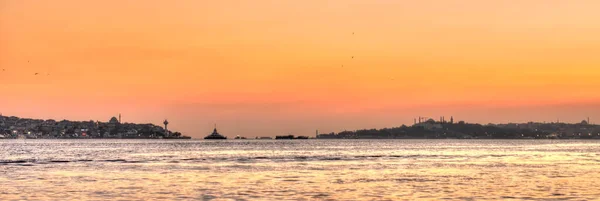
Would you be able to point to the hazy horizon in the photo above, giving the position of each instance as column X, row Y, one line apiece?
column 264, row 68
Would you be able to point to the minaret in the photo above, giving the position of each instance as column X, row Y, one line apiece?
column 451, row 119
column 120, row 118
column 166, row 130
column 317, row 134
column 589, row 121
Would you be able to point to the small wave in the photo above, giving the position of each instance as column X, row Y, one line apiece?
column 399, row 156
column 413, row 180
column 241, row 166
column 423, row 156
column 320, row 195
column 403, row 180
column 16, row 161
column 115, row 160
column 559, row 176
column 59, row 161
column 84, row 160
column 134, row 161
column 130, row 188
column 370, row 156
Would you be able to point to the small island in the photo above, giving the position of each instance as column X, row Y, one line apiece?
column 14, row 128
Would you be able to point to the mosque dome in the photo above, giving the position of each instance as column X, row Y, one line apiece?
column 113, row 120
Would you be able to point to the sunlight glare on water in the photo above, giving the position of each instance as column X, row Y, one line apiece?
column 299, row 169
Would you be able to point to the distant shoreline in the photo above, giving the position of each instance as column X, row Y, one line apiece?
column 324, row 139
column 23, row 128
column 443, row 129
column 19, row 128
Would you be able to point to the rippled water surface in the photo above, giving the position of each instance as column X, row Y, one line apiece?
column 299, row 170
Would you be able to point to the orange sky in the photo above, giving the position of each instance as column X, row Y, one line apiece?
column 258, row 67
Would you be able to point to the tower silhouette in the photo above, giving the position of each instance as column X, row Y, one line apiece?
column 166, row 129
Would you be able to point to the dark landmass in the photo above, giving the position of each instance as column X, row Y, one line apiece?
column 432, row 129
column 290, row 137
column 15, row 127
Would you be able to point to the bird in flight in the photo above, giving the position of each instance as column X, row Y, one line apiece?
column 353, row 57
column 36, row 73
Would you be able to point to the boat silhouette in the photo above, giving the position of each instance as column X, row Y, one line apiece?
column 215, row 136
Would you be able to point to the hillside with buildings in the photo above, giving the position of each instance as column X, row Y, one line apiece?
column 15, row 127
column 442, row 129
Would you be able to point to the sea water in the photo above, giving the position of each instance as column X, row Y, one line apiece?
column 98, row 169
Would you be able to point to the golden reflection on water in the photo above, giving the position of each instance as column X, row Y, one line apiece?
column 395, row 171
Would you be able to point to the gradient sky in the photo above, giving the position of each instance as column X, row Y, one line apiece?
column 263, row 68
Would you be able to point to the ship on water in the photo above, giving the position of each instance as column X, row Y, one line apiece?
column 284, row 137
column 215, row 135
column 290, row 137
